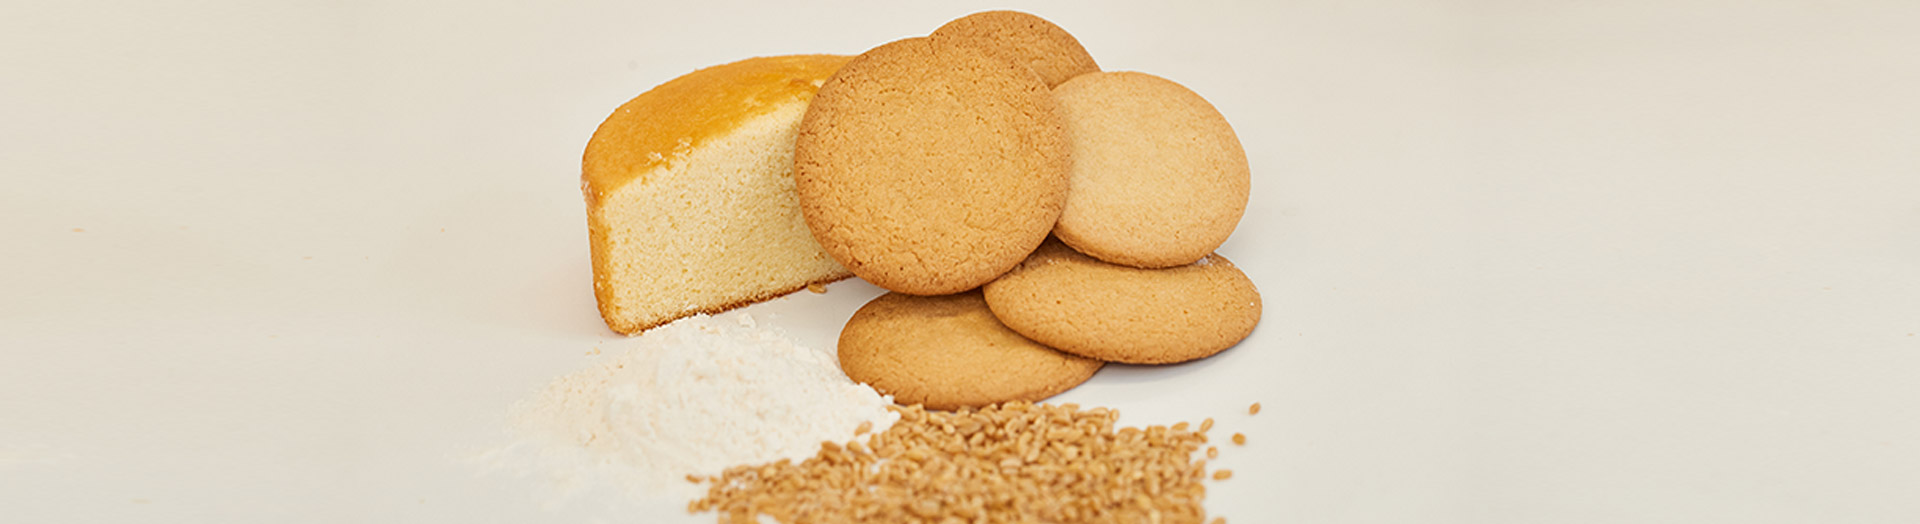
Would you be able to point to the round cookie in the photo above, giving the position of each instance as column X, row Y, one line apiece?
column 1083, row 306
column 1159, row 178
column 949, row 352
column 930, row 168
column 1024, row 39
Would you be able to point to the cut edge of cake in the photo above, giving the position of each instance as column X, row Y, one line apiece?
column 690, row 200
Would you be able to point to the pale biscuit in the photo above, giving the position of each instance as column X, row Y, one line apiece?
column 949, row 352
column 1070, row 301
column 1159, row 178
column 1024, row 39
column 931, row 168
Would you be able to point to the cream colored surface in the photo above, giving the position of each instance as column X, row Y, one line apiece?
column 1521, row 262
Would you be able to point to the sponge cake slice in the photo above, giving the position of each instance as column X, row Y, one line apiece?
column 690, row 198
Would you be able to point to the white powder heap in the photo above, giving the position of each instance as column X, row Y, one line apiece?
column 695, row 397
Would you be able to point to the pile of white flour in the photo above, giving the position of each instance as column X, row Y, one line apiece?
column 693, row 397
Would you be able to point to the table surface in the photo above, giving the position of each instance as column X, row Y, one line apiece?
column 1620, row 262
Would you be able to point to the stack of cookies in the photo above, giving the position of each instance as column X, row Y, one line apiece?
column 1033, row 216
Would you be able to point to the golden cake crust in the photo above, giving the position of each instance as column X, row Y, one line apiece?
column 656, row 128
column 683, row 113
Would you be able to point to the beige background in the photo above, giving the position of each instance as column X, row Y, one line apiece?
column 1523, row 262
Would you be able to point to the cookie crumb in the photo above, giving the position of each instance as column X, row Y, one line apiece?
column 817, row 288
column 1253, row 409
column 1240, row 438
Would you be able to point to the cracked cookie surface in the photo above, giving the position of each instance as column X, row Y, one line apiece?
column 930, row 168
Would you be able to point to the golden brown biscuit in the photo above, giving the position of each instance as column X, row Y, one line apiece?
column 930, row 168
column 949, row 352
column 1159, row 178
column 1023, row 39
column 1083, row 306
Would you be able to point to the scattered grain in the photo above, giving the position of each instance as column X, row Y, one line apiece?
column 1223, row 474
column 1016, row 462
column 1213, row 452
column 1206, row 424
column 1240, row 439
column 1253, row 409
